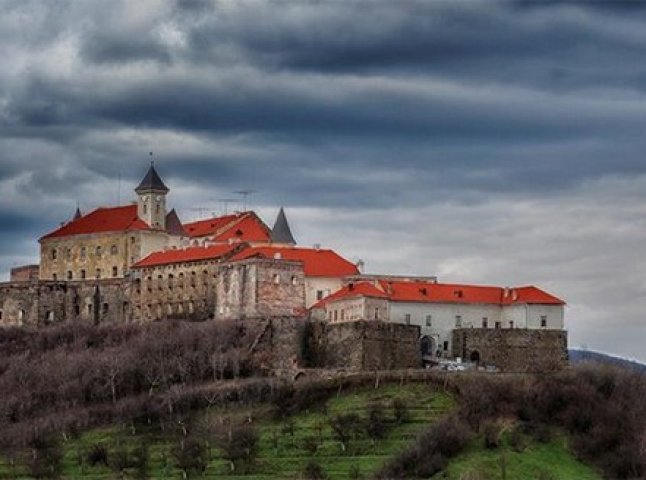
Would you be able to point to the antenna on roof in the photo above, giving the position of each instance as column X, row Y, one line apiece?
column 119, row 188
column 152, row 162
column 245, row 194
column 226, row 202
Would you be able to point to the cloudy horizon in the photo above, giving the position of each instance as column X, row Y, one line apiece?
column 483, row 142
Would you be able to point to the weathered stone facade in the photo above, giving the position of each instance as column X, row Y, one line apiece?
column 98, row 255
column 43, row 303
column 183, row 291
column 24, row 273
column 512, row 350
column 364, row 345
column 260, row 287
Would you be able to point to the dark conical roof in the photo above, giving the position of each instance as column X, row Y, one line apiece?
column 77, row 214
column 151, row 182
column 281, row 233
column 173, row 224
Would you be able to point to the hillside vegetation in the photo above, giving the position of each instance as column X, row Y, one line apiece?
column 175, row 400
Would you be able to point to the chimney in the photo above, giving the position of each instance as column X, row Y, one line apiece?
column 360, row 265
column 514, row 295
column 317, row 246
column 350, row 286
column 423, row 291
column 278, row 256
column 505, row 292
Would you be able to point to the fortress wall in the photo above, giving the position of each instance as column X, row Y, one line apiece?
column 43, row 303
column 513, row 350
column 364, row 345
column 258, row 288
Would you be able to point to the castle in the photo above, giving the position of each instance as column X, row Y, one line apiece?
column 139, row 263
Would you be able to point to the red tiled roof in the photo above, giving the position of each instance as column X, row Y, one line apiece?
column 316, row 262
column 212, row 226
column 190, row 254
column 450, row 293
column 361, row 289
column 248, row 228
column 107, row 219
column 427, row 292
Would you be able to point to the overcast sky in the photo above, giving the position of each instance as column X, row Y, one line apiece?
column 497, row 143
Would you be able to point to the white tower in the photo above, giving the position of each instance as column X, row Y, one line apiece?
column 151, row 199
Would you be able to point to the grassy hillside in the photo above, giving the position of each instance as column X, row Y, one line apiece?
column 286, row 445
column 550, row 460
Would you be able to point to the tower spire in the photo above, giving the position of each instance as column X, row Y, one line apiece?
column 281, row 233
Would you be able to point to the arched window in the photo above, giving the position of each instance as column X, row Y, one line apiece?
column 114, row 250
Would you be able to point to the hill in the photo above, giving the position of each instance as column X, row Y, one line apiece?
column 578, row 356
column 174, row 400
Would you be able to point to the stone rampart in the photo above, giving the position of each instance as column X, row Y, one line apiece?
column 363, row 345
column 512, row 350
column 46, row 302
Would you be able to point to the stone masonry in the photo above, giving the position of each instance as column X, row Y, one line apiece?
column 512, row 350
column 364, row 345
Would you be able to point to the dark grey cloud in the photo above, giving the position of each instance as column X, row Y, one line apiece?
column 496, row 142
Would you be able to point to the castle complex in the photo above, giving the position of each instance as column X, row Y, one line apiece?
column 139, row 263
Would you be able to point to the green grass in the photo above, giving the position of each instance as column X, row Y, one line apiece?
column 285, row 457
column 548, row 461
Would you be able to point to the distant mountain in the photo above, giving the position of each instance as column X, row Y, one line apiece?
column 578, row 356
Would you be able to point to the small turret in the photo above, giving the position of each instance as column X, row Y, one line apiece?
column 77, row 214
column 281, row 233
column 151, row 199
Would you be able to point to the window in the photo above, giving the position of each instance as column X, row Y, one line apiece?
column 145, row 209
column 157, row 209
column 407, row 318
column 276, row 278
column 70, row 275
column 429, row 320
column 0, row 314
column 21, row 314
column 89, row 309
column 497, row 324
column 49, row 316
column 543, row 321
column 336, row 315
column 98, row 273
column 115, row 271
column 319, row 294
column 114, row 250
column 132, row 240
column 54, row 254
column 83, row 253
column 54, row 277
column 83, row 274
column 294, row 281
column 446, row 346
column 98, row 251
column 77, row 310
column 485, row 322
column 106, row 307
column 68, row 253
column 458, row 321
column 511, row 324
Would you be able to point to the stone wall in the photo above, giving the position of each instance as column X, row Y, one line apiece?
column 44, row 303
column 258, row 288
column 182, row 291
column 512, row 350
column 362, row 345
column 98, row 255
column 25, row 273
